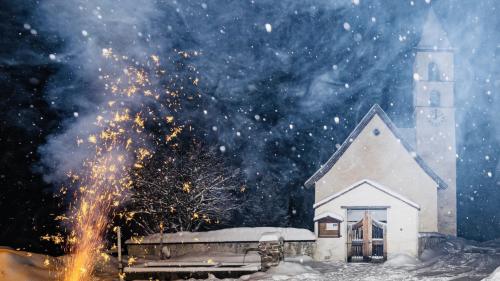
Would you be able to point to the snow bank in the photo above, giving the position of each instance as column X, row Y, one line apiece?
column 26, row 266
column 270, row 237
column 431, row 254
column 286, row 271
column 495, row 276
column 19, row 265
column 401, row 260
column 239, row 234
column 290, row 269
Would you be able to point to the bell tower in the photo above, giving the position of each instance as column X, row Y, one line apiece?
column 433, row 97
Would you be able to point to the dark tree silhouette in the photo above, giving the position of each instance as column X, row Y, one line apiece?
column 184, row 191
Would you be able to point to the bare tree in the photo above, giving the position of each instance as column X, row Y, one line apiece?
column 184, row 190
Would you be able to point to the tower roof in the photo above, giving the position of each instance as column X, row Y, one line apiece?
column 433, row 37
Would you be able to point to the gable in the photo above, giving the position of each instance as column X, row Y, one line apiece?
column 375, row 115
column 384, row 158
column 371, row 184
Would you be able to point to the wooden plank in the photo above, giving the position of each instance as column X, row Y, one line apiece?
column 191, row 264
column 378, row 223
column 349, row 241
column 369, row 234
column 385, row 241
column 247, row 268
column 366, row 241
column 178, row 264
column 358, row 224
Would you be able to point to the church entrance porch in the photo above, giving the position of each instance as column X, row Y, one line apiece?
column 366, row 235
column 372, row 223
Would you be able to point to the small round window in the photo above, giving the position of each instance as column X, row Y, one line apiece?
column 376, row 131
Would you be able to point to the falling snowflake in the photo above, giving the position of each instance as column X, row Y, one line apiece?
column 269, row 27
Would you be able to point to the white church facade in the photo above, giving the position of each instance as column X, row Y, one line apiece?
column 386, row 187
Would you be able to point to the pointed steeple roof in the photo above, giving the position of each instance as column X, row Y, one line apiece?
column 433, row 37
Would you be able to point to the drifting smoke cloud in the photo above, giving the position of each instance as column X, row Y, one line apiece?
column 308, row 57
column 85, row 30
column 284, row 81
column 472, row 29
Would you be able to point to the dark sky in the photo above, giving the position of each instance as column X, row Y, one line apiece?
column 269, row 95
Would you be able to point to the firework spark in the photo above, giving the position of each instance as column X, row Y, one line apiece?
column 120, row 145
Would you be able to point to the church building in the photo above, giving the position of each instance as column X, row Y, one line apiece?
column 386, row 188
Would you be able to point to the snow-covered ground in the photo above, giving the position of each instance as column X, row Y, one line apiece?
column 19, row 265
column 25, row 266
column 457, row 260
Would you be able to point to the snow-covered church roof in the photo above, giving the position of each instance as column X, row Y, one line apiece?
column 433, row 37
column 375, row 110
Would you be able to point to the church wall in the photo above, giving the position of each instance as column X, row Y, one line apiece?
column 402, row 223
column 436, row 145
column 383, row 159
column 435, row 129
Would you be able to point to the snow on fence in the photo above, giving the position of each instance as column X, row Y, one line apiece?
column 232, row 240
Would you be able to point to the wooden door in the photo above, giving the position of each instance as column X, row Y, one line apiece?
column 366, row 240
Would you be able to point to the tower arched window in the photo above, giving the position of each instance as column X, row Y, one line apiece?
column 435, row 99
column 433, row 72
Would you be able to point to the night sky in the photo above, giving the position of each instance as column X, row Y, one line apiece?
column 275, row 76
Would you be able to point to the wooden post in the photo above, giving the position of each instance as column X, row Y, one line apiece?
column 119, row 238
column 349, row 241
column 161, row 240
column 385, row 241
column 367, row 236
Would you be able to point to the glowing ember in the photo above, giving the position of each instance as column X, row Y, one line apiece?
column 119, row 145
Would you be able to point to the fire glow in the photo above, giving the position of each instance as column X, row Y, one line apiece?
column 118, row 145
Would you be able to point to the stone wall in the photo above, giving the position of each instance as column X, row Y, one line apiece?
column 152, row 251
column 429, row 241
